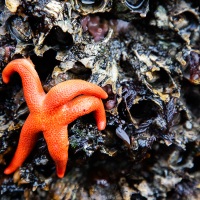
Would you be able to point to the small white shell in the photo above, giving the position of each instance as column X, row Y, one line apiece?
column 12, row 5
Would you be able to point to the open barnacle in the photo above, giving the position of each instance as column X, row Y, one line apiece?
column 61, row 29
column 156, row 75
column 91, row 6
column 58, row 39
column 185, row 20
column 161, row 83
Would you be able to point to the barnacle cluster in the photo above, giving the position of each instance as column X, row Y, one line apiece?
column 146, row 55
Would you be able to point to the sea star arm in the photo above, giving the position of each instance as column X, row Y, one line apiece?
column 57, row 136
column 32, row 87
column 58, row 143
column 83, row 105
column 27, row 140
column 67, row 90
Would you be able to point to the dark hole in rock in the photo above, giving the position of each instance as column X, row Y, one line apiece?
column 8, row 188
column 58, row 39
column 160, row 79
column 144, row 109
column 16, row 56
column 192, row 97
column 80, row 71
column 183, row 117
column 2, row 3
column 46, row 169
column 122, row 110
column 45, row 65
column 37, row 25
column 127, row 68
column 99, row 170
column 196, row 3
column 137, row 197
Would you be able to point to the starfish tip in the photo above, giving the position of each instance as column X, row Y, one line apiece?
column 60, row 175
column 101, row 125
column 7, row 171
column 5, row 78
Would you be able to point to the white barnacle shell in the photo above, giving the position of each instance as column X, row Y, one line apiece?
column 12, row 5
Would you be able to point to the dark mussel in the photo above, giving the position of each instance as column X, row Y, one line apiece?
column 92, row 6
column 19, row 29
column 91, row 2
column 136, row 4
column 130, row 9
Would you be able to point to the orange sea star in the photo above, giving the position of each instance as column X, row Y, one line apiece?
column 52, row 112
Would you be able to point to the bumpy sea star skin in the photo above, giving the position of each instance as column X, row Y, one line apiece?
column 52, row 112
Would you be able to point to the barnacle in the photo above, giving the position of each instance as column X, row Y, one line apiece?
column 145, row 55
column 91, row 6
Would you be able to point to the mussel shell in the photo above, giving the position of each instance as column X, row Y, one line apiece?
column 92, row 6
column 19, row 29
column 91, row 2
column 136, row 4
column 130, row 9
column 185, row 20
